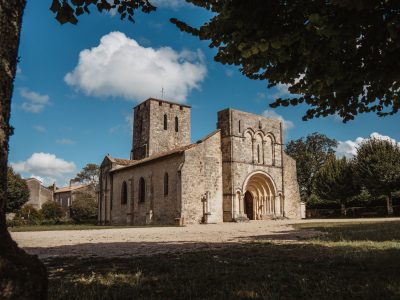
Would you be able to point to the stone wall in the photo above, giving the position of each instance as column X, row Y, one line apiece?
column 38, row 194
column 292, row 192
column 157, row 207
column 202, row 181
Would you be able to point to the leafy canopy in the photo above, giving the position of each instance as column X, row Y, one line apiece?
column 337, row 56
column 310, row 154
column 67, row 11
column 378, row 166
column 84, row 207
column 335, row 181
column 17, row 191
column 89, row 174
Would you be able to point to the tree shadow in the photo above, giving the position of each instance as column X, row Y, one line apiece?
column 193, row 270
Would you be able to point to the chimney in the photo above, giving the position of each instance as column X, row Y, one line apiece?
column 54, row 186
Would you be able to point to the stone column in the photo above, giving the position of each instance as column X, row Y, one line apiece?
column 277, row 206
column 253, row 149
column 241, row 205
column 264, row 156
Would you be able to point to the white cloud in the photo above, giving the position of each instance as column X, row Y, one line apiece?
column 349, row 148
column 273, row 115
column 120, row 67
column 281, row 90
column 34, row 102
column 45, row 165
column 39, row 128
column 65, row 141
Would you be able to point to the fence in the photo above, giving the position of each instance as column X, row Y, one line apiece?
column 352, row 212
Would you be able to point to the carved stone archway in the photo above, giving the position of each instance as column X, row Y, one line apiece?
column 260, row 187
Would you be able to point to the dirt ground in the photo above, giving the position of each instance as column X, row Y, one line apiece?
column 120, row 242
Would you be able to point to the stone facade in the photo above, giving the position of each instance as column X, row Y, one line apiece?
column 38, row 194
column 238, row 172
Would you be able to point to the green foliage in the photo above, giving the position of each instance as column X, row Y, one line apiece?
column 28, row 215
column 335, row 181
column 51, row 210
column 67, row 11
column 378, row 166
column 17, row 191
column 84, row 207
column 339, row 57
column 89, row 174
column 310, row 154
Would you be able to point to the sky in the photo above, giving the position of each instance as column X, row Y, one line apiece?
column 76, row 86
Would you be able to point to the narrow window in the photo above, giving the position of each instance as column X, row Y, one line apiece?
column 165, row 122
column 240, row 126
column 170, row 106
column 176, row 124
column 159, row 103
column 124, row 193
column 181, row 107
column 165, row 184
column 142, row 189
column 258, row 153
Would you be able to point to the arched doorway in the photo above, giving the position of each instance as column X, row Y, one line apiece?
column 248, row 205
column 260, row 198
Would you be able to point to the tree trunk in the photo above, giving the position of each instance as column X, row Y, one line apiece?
column 389, row 204
column 22, row 276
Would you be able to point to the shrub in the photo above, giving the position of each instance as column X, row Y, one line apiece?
column 51, row 210
column 28, row 215
column 84, row 207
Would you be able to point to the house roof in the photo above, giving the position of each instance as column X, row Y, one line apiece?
column 71, row 188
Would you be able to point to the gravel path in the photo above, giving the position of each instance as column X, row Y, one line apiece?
column 152, row 240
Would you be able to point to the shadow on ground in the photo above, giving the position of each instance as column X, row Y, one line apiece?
column 236, row 270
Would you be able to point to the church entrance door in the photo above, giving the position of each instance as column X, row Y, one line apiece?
column 248, row 205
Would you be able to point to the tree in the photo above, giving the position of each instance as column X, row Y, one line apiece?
column 84, row 207
column 23, row 276
column 17, row 191
column 310, row 154
column 51, row 210
column 335, row 181
column 89, row 174
column 339, row 56
column 378, row 168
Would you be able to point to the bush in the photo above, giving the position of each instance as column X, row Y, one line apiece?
column 51, row 210
column 28, row 215
column 84, row 208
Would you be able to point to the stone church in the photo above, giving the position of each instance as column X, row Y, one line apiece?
column 237, row 172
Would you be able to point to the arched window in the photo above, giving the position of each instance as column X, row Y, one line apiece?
column 165, row 184
column 124, row 193
column 258, row 153
column 176, row 124
column 142, row 190
column 165, row 122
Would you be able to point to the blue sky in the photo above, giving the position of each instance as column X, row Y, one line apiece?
column 70, row 109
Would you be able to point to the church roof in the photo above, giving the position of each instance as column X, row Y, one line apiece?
column 156, row 156
column 179, row 150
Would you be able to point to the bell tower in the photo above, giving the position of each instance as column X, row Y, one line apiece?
column 159, row 126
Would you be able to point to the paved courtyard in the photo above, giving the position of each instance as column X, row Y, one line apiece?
column 119, row 242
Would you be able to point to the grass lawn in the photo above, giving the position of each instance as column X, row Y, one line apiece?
column 350, row 261
column 66, row 227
